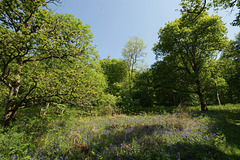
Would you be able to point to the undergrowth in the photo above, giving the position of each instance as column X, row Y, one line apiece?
column 186, row 135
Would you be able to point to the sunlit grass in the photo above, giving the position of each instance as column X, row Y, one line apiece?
column 188, row 135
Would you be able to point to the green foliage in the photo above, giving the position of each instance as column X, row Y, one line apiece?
column 142, row 93
column 195, row 7
column 170, row 87
column 116, row 72
column 188, row 47
column 188, row 135
column 3, row 94
column 230, row 60
column 107, row 105
column 47, row 61
column 46, row 58
column 132, row 54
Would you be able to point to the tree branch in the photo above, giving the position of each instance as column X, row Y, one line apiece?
column 29, row 92
column 199, row 12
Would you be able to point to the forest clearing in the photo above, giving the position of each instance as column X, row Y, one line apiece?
column 169, row 134
column 60, row 100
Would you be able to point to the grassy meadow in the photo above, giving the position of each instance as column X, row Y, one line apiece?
column 169, row 134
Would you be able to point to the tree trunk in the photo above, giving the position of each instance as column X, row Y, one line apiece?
column 130, row 82
column 201, row 96
column 203, row 102
column 131, row 79
column 13, row 104
column 216, row 86
column 9, row 113
column 218, row 98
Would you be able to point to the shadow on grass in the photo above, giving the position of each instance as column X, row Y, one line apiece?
column 138, row 143
column 227, row 121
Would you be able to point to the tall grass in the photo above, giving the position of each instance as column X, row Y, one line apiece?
column 187, row 135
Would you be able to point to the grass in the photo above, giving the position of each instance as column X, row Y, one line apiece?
column 187, row 135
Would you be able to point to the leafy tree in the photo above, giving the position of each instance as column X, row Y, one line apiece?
column 142, row 89
column 31, row 40
column 231, row 69
column 116, row 72
column 189, row 46
column 196, row 7
column 132, row 54
column 170, row 84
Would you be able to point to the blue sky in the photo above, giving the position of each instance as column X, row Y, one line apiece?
column 113, row 21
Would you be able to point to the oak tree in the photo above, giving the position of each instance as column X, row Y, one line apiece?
column 190, row 46
column 39, row 54
column 196, row 7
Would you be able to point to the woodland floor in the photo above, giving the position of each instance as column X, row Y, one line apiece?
column 186, row 135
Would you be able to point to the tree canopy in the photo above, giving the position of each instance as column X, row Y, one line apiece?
column 190, row 47
column 47, row 59
column 196, row 7
column 44, row 57
column 132, row 53
column 116, row 72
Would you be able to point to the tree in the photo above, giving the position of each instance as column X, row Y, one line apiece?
column 31, row 40
column 171, row 86
column 231, row 69
column 132, row 54
column 143, row 94
column 189, row 46
column 196, row 7
column 116, row 73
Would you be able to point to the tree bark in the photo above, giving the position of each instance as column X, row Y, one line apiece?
column 13, row 102
column 9, row 113
column 12, row 105
column 218, row 97
column 203, row 102
column 216, row 86
column 201, row 96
